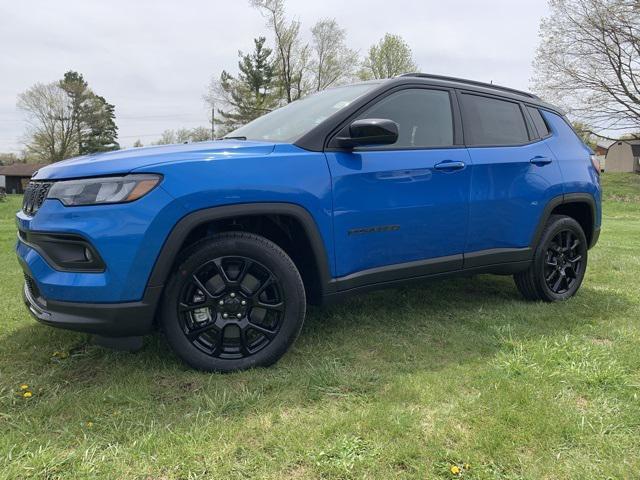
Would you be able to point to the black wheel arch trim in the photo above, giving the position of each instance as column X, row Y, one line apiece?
column 169, row 251
column 564, row 199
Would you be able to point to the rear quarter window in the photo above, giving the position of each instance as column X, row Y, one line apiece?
column 539, row 122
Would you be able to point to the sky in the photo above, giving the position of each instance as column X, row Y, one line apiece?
column 153, row 59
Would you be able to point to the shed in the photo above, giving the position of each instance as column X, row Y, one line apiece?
column 623, row 156
column 14, row 178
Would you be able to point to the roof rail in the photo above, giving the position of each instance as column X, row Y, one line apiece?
column 470, row 82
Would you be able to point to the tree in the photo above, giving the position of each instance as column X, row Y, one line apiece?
column 588, row 61
column 137, row 144
column 183, row 135
column 584, row 131
column 200, row 134
column 51, row 130
column 94, row 118
column 390, row 57
column 10, row 159
column 630, row 136
column 333, row 63
column 292, row 54
column 250, row 94
column 97, row 126
column 77, row 90
column 167, row 137
column 66, row 118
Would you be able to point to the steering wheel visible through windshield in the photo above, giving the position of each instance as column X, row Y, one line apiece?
column 290, row 122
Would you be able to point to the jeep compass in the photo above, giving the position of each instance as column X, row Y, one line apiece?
column 222, row 244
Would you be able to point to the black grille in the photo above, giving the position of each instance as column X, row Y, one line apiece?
column 34, row 196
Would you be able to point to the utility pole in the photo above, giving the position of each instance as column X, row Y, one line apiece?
column 213, row 121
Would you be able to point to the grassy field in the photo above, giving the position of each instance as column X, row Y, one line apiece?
column 404, row 383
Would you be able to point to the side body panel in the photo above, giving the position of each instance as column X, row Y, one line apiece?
column 509, row 194
column 574, row 160
column 130, row 236
column 393, row 207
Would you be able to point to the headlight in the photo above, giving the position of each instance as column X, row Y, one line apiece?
column 92, row 191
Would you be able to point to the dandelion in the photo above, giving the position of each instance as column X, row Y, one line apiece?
column 27, row 394
column 89, row 424
column 455, row 469
column 24, row 386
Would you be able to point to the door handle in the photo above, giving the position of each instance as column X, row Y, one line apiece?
column 449, row 166
column 540, row 160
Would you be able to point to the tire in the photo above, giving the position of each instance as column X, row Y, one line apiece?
column 559, row 262
column 236, row 301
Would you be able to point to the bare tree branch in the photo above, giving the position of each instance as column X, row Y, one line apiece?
column 588, row 61
column 51, row 125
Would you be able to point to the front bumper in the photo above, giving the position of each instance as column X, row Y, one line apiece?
column 126, row 237
column 106, row 319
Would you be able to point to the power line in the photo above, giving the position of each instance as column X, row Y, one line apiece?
column 159, row 116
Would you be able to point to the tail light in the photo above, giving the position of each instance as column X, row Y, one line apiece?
column 596, row 163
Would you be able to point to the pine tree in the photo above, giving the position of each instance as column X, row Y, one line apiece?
column 93, row 118
column 101, row 131
column 250, row 95
column 77, row 89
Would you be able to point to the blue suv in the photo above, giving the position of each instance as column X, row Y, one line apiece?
column 221, row 244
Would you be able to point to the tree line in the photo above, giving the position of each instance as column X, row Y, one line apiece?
column 290, row 68
column 588, row 62
column 67, row 118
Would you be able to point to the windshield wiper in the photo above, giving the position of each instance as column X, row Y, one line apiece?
column 233, row 138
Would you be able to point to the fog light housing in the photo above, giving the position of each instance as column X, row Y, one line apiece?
column 64, row 251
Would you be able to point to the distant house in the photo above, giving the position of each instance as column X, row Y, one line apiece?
column 14, row 178
column 600, row 150
column 623, row 156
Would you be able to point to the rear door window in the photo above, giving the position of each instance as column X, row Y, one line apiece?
column 490, row 121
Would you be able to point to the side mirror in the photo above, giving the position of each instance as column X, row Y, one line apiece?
column 370, row 131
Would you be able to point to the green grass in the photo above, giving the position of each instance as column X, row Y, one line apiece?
column 396, row 384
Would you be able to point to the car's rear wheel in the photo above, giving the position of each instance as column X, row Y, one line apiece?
column 235, row 301
column 559, row 262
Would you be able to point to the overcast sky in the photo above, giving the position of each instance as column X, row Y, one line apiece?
column 153, row 59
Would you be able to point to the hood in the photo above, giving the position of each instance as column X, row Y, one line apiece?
column 122, row 162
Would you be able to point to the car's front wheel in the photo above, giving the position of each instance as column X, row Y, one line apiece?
column 559, row 262
column 235, row 301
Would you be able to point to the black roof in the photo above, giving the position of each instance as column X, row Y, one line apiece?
column 463, row 83
column 470, row 82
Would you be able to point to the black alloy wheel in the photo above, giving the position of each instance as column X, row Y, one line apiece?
column 231, row 307
column 235, row 301
column 559, row 262
column 563, row 263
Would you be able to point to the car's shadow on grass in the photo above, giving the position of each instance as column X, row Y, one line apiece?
column 350, row 348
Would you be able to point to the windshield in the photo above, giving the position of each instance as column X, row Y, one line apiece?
column 290, row 122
